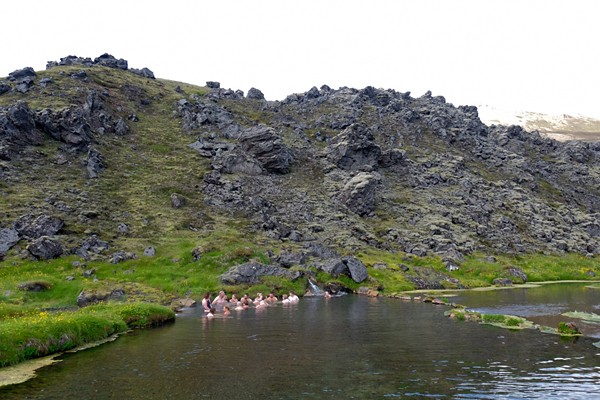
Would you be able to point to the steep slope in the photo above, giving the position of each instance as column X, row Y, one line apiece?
column 95, row 155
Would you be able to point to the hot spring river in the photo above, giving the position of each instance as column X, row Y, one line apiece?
column 350, row 347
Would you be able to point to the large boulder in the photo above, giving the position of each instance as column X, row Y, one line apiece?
column 34, row 227
column 256, row 94
column 357, row 270
column 267, row 147
column 252, row 272
column 359, row 193
column 45, row 248
column 354, row 149
column 22, row 75
column 8, row 238
column 349, row 266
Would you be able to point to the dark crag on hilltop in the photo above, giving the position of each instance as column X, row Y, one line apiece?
column 119, row 158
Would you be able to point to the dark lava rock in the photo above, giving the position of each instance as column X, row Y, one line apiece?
column 256, row 94
column 86, row 298
column 267, row 147
column 288, row 259
column 213, row 84
column 144, row 72
column 94, row 163
column 34, row 286
column 502, row 282
column 349, row 266
column 108, row 60
column 90, row 247
column 34, row 227
column 251, row 273
column 121, row 256
column 358, row 271
column 45, row 248
column 21, row 75
column 8, row 238
column 359, row 193
column 354, row 149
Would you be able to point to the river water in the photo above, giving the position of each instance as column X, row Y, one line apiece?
column 351, row 347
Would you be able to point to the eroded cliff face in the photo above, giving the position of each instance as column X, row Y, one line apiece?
column 105, row 151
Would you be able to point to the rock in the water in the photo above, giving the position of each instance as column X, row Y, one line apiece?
column 45, row 248
column 252, row 272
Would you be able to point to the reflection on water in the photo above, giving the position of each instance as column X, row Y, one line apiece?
column 349, row 347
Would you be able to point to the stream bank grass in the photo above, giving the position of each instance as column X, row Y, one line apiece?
column 41, row 333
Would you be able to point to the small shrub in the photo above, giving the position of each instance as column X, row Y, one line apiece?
column 568, row 328
column 493, row 318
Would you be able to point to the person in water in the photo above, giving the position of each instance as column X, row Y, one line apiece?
column 327, row 295
column 226, row 311
column 271, row 298
column 239, row 306
column 284, row 299
column 206, row 303
column 259, row 298
column 221, row 298
column 246, row 299
column 211, row 313
column 233, row 299
column 293, row 297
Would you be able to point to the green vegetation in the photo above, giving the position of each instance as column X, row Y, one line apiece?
column 42, row 333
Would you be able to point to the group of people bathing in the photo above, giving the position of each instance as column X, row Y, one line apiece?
column 221, row 302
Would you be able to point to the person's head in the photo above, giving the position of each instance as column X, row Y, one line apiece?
column 292, row 293
column 239, row 303
column 226, row 308
column 221, row 293
column 245, row 295
column 207, row 295
column 271, row 295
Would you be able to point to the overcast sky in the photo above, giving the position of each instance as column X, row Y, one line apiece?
column 534, row 55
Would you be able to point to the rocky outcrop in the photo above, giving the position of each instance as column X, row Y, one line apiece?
column 354, row 149
column 252, row 272
column 262, row 143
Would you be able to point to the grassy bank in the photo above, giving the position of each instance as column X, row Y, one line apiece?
column 30, row 334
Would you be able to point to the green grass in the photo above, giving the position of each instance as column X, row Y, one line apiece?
column 42, row 333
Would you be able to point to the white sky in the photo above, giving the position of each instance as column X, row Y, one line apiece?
column 534, row 55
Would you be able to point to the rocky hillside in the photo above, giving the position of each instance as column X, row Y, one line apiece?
column 560, row 127
column 100, row 160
